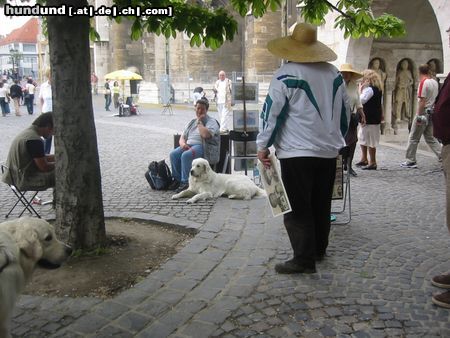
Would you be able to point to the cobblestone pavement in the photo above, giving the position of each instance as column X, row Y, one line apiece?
column 375, row 280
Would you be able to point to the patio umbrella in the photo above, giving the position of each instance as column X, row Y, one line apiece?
column 123, row 75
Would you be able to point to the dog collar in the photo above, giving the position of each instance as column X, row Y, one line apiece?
column 5, row 265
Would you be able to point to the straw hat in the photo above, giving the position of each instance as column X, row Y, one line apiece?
column 301, row 46
column 347, row 67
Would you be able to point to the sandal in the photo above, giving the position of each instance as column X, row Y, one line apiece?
column 361, row 163
column 370, row 167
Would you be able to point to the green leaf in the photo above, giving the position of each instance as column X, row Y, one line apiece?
column 136, row 30
column 93, row 34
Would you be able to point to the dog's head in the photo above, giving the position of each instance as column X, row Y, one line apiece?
column 37, row 242
column 200, row 167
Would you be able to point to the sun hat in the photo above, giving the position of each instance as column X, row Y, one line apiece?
column 301, row 46
column 347, row 67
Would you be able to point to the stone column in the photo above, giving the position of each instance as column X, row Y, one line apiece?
column 101, row 48
column 387, row 105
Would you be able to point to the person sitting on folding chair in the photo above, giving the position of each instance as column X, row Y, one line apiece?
column 30, row 167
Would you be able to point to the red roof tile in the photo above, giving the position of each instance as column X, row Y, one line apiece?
column 27, row 33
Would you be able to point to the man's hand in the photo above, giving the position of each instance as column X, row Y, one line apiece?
column 263, row 156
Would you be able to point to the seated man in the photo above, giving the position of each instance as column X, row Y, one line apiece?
column 30, row 167
column 200, row 138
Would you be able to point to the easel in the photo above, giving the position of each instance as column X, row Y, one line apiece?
column 167, row 109
column 240, row 136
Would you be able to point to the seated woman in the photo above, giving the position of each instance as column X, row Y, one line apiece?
column 200, row 138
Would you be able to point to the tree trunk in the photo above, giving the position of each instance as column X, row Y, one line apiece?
column 78, row 191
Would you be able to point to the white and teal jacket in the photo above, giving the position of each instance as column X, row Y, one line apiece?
column 306, row 112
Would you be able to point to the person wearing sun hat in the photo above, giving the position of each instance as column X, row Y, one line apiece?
column 357, row 115
column 305, row 117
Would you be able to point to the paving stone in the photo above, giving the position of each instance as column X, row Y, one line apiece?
column 112, row 331
column 374, row 281
column 88, row 324
column 198, row 329
column 133, row 322
column 111, row 309
column 155, row 330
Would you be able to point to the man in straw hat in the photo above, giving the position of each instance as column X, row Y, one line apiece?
column 357, row 115
column 305, row 117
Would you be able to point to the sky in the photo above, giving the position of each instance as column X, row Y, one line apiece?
column 7, row 24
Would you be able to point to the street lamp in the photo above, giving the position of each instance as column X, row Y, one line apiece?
column 15, row 57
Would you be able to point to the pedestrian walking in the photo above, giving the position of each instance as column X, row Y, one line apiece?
column 29, row 95
column 4, row 99
column 305, row 117
column 422, row 123
column 223, row 89
column 107, row 96
column 16, row 95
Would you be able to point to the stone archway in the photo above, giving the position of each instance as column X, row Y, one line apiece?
column 426, row 23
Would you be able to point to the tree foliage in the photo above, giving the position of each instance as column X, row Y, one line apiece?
column 212, row 26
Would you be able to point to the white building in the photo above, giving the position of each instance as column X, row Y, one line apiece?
column 22, row 42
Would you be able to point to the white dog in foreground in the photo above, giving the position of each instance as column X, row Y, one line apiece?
column 24, row 242
column 204, row 183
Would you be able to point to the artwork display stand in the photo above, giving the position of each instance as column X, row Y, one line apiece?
column 241, row 136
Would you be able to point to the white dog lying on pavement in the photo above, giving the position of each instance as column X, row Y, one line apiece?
column 204, row 183
column 24, row 242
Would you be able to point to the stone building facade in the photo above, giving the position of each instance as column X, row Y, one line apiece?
column 427, row 39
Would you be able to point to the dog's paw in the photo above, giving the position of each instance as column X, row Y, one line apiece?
column 191, row 200
column 175, row 197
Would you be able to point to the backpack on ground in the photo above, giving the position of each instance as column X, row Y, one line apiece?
column 158, row 175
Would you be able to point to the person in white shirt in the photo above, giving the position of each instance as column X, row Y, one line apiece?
column 422, row 124
column 4, row 98
column 45, row 98
column 222, row 88
column 305, row 117
column 29, row 95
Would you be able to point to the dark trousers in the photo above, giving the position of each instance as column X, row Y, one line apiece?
column 4, row 106
column 29, row 102
column 107, row 101
column 309, row 186
column 348, row 158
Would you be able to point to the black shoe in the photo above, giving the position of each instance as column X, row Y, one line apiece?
column 290, row 267
column 352, row 172
column 370, row 167
column 361, row 163
column 182, row 187
column 174, row 185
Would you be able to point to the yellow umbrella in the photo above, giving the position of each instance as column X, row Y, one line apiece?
column 122, row 74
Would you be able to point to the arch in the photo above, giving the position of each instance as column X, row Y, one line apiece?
column 435, row 66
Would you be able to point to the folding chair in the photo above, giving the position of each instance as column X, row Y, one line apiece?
column 244, row 138
column 21, row 198
column 341, row 190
